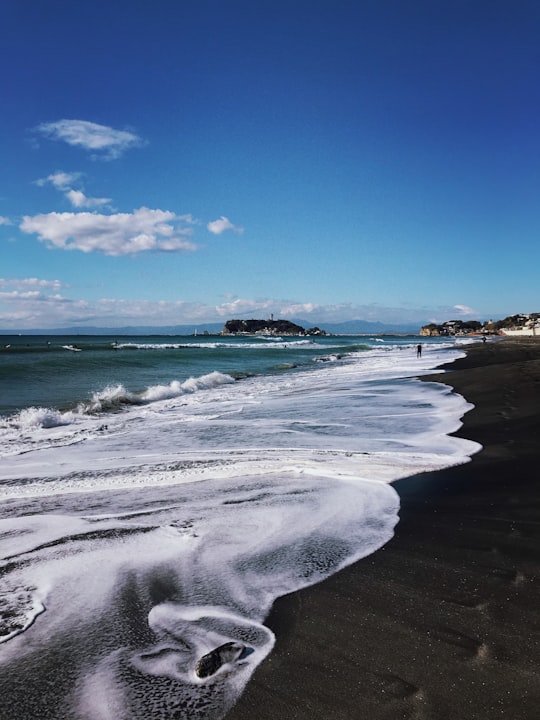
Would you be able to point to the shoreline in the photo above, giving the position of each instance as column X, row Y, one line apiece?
column 443, row 621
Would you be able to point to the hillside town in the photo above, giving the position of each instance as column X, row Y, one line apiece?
column 513, row 326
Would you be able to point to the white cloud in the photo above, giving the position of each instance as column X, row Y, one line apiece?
column 465, row 310
column 107, row 141
column 60, row 180
column 23, row 283
column 35, row 309
column 115, row 234
column 64, row 181
column 5, row 220
column 221, row 225
column 298, row 309
column 34, row 303
column 19, row 295
column 79, row 200
column 241, row 306
column 319, row 314
column 27, row 303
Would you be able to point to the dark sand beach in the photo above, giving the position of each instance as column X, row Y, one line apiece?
column 444, row 621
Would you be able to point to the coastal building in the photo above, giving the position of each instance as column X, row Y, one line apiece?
column 524, row 326
column 512, row 326
column 527, row 331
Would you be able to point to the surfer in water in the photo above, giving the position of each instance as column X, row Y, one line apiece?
column 419, row 351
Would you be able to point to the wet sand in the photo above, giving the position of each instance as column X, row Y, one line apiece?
column 444, row 621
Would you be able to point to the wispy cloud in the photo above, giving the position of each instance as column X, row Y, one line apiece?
column 79, row 200
column 33, row 303
column 64, row 181
column 26, row 283
column 60, row 180
column 339, row 312
column 37, row 309
column 298, row 309
column 221, row 225
column 244, row 306
column 465, row 310
column 107, row 142
column 5, row 220
column 26, row 309
column 116, row 234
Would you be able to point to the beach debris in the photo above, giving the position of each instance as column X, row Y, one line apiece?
column 229, row 652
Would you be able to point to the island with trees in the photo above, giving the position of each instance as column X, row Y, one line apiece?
column 267, row 327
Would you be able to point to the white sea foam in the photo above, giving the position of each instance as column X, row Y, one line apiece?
column 175, row 596
column 38, row 417
column 110, row 398
column 114, row 396
column 167, row 529
column 19, row 607
column 191, row 385
column 273, row 342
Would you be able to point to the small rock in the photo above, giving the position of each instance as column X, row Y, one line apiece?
column 210, row 663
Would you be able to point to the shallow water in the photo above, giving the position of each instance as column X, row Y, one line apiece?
column 139, row 535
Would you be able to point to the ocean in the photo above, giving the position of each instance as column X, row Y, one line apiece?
column 157, row 494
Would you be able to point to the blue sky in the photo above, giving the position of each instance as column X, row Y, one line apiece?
column 190, row 161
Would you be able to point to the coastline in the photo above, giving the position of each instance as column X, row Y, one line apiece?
column 443, row 621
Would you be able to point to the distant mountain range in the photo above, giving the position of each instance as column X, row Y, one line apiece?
column 349, row 327
column 364, row 327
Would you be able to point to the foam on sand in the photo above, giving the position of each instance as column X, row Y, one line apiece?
column 177, row 583
column 141, row 548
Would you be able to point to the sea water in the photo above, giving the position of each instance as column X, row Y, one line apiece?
column 157, row 494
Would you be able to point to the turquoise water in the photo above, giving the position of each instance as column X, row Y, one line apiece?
column 61, row 371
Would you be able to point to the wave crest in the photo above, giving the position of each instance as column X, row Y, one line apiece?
column 36, row 417
column 191, row 385
column 112, row 398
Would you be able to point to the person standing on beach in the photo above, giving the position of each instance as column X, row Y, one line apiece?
column 419, row 351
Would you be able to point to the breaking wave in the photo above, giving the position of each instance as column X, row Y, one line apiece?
column 277, row 343
column 34, row 417
column 113, row 398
